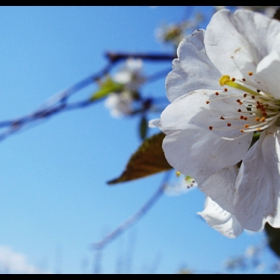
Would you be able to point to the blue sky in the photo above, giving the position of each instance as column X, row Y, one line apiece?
column 54, row 200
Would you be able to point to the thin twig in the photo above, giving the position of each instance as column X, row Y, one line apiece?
column 58, row 102
column 133, row 219
column 114, row 57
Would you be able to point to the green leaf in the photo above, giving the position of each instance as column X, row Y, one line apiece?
column 147, row 160
column 107, row 86
column 273, row 238
column 143, row 127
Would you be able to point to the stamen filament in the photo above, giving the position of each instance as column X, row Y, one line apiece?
column 225, row 80
column 257, row 110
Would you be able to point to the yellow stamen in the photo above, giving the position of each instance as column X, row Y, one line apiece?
column 178, row 173
column 225, row 80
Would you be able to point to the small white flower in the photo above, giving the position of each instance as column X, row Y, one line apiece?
column 172, row 33
column 130, row 75
column 184, row 184
column 209, row 128
column 119, row 104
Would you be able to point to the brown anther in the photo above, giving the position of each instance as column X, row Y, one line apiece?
column 242, row 130
column 253, row 97
column 222, row 118
column 225, row 89
column 250, row 73
column 243, row 79
column 216, row 93
column 258, row 91
column 244, row 95
column 264, row 114
column 263, row 119
column 238, row 100
column 246, row 126
column 239, row 110
column 258, row 129
column 257, row 119
column 245, row 118
column 233, row 79
column 228, row 124
column 241, row 117
column 207, row 101
column 240, row 103
column 210, row 127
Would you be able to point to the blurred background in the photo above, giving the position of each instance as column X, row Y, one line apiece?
column 54, row 198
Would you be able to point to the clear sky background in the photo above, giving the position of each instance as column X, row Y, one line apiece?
column 54, row 200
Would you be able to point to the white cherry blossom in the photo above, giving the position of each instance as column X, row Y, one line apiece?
column 120, row 104
column 183, row 185
column 130, row 75
column 223, row 89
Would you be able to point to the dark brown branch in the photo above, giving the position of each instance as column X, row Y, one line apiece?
column 115, row 57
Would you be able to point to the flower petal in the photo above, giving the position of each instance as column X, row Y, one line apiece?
column 120, row 104
column 190, row 146
column 202, row 108
column 268, row 74
column 221, row 187
column 258, row 186
column 130, row 74
column 199, row 153
column 154, row 123
column 237, row 42
column 220, row 219
column 192, row 69
column 122, row 77
column 274, row 221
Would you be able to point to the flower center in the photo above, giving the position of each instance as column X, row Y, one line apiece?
column 259, row 110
